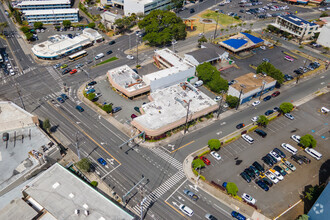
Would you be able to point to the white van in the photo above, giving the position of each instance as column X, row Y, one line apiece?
column 247, row 138
column 289, row 148
column 198, row 83
column 324, row 110
column 99, row 56
column 313, row 153
column 186, row 210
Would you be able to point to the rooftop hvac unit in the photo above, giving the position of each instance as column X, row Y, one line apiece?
column 86, row 212
column 76, row 211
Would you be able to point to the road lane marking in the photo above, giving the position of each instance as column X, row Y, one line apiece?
column 79, row 128
column 177, row 189
column 182, row 146
column 175, row 209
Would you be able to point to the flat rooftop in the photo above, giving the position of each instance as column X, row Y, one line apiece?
column 166, row 72
column 18, row 209
column 57, row 2
column 51, row 11
column 60, row 192
column 251, row 81
column 297, row 21
column 170, row 105
column 126, row 78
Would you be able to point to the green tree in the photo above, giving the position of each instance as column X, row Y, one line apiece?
column 214, row 144
column 3, row 25
column 286, row 107
column 177, row 3
column 303, row 217
column 46, row 125
column 201, row 40
column 25, row 29
column 29, row 36
column 198, row 163
column 324, row 14
column 218, row 83
column 66, row 23
column 91, row 96
column 211, row 77
column 262, row 120
column 126, row 23
column 270, row 70
column 91, row 25
column 94, row 184
column 38, row 25
column 313, row 193
column 232, row 189
column 107, row 108
column 308, row 141
column 161, row 27
column 84, row 164
column 232, row 101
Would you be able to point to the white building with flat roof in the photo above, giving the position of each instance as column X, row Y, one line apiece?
column 52, row 16
column 43, row 5
column 144, row 6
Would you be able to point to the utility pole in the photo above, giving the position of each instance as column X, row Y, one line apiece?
column 124, row 196
column 220, row 103
column 239, row 98
column 19, row 95
column 137, row 52
column 77, row 147
column 263, row 87
column 216, row 26
column 186, row 126
column 298, row 75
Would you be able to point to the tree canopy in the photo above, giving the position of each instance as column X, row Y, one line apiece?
column 84, row 164
column 198, row 163
column 262, row 120
column 177, row 3
column 46, row 124
column 286, row 107
column 126, row 23
column 161, row 27
column 231, row 188
column 270, row 70
column 308, row 141
column 38, row 25
column 211, row 77
column 232, row 101
column 91, row 25
column 66, row 23
column 214, row 144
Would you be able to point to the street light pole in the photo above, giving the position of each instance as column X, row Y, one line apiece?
column 137, row 52
column 263, row 87
column 220, row 103
column 239, row 98
column 186, row 126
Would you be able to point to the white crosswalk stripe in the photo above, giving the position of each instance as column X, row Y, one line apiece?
column 174, row 162
column 158, row 192
column 55, row 75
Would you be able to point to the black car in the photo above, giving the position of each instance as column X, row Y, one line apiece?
column 250, row 172
column 260, row 132
column 280, row 170
column 304, row 158
column 262, row 185
column 192, row 10
column 258, row 166
column 112, row 42
column 116, row 109
column 267, row 181
column 240, row 125
column 297, row 72
column 255, row 170
column 109, row 52
column 65, row 71
column 267, row 161
column 297, row 159
column 279, row 152
column 231, row 82
column 246, row 177
column 273, row 159
column 267, row 98
column 269, row 112
column 91, row 83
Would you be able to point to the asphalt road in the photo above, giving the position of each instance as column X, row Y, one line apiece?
column 97, row 138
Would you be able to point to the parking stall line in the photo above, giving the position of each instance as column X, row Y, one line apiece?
column 229, row 146
column 225, row 148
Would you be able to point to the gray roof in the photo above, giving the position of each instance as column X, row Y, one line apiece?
column 205, row 55
column 60, row 192
column 17, row 209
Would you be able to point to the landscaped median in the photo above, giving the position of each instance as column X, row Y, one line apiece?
column 107, row 61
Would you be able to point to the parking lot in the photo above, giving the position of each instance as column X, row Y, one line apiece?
column 275, row 56
column 239, row 155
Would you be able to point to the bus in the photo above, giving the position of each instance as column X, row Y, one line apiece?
column 78, row 55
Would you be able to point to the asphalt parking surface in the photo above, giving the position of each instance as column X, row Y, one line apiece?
column 239, row 155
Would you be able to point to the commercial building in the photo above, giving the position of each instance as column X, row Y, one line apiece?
column 241, row 42
column 59, row 46
column 205, row 55
column 108, row 19
column 250, row 86
column 52, row 16
column 175, row 70
column 324, row 38
column 59, row 194
column 168, row 108
column 43, row 5
column 144, row 6
column 296, row 26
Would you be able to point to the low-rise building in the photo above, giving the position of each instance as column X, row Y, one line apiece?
column 241, row 42
column 108, row 19
column 324, row 38
column 296, row 26
column 250, row 86
column 51, row 16
column 203, row 55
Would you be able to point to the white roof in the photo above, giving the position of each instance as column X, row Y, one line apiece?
column 170, row 56
column 54, row 11
column 166, row 72
column 57, row 2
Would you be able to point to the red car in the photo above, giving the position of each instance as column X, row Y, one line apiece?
column 133, row 116
column 206, row 161
column 276, row 94
column 73, row 71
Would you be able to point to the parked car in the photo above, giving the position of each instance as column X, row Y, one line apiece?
column 261, row 133
column 133, row 116
column 73, row 71
column 216, row 155
column 65, row 71
column 79, row 65
column 91, row 83
column 275, row 94
column 273, row 159
column 267, row 181
column 263, row 185
column 248, row 198
column 88, row 88
column 267, row 161
column 297, row 159
column 137, row 109
column 289, row 116
column 255, row 103
column 206, row 161
column 250, row 173
column 279, row 152
column 90, row 91
column 102, row 161
column 247, row 138
column 258, row 166
column 288, row 58
column 269, row 112
column 245, row 176
column 240, row 125
column 304, row 158
column 277, row 174
column 289, row 165
column 296, row 138
column 255, row 170
column 60, row 99
column 280, row 170
column 267, row 98
column 79, row 108
column 276, row 109
column 190, row 194
column 5, row 136
column 275, row 155
column 57, row 65
column 64, row 66
column 116, row 109
column 238, row 215
column 271, row 176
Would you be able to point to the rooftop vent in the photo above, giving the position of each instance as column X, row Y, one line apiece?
column 85, row 206
column 86, row 212
column 55, row 185
column 76, row 211
column 71, row 195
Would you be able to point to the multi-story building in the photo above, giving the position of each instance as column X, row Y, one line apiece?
column 43, row 5
column 296, row 26
column 52, row 16
column 144, row 6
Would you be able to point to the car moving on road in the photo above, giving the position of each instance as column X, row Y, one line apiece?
column 255, row 103
column 186, row 210
column 102, row 161
column 238, row 215
column 79, row 108
column 192, row 195
column 239, row 126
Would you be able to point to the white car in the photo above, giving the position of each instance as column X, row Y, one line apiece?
column 263, row 47
column 277, row 174
column 89, row 87
column 275, row 155
column 186, row 210
column 130, row 57
column 271, row 176
column 296, row 138
column 218, row 98
column 248, row 198
column 247, row 138
column 254, row 119
column 289, row 116
column 216, row 155
column 256, row 103
column 11, row 71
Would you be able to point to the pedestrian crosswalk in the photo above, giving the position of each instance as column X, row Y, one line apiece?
column 28, row 70
column 171, row 160
column 161, row 190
